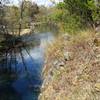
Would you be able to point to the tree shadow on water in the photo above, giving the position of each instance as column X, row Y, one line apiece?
column 10, row 48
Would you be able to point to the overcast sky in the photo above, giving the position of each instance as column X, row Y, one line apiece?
column 40, row 2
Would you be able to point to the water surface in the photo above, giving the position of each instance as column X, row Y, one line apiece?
column 28, row 68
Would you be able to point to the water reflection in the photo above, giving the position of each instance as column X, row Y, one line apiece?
column 21, row 67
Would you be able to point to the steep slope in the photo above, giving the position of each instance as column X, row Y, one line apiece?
column 72, row 69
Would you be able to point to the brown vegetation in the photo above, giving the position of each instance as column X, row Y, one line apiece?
column 72, row 69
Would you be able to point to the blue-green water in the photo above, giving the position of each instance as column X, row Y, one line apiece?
column 24, row 79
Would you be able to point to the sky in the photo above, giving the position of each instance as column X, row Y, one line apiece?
column 40, row 2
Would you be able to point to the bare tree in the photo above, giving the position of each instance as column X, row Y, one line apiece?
column 21, row 14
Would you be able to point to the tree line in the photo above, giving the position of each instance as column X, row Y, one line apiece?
column 17, row 17
column 75, row 15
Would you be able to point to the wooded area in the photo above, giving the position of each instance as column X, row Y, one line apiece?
column 75, row 15
column 77, row 25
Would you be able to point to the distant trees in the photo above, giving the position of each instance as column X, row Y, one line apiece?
column 12, row 17
column 17, row 17
column 42, row 15
column 85, row 9
column 75, row 15
column 28, row 10
column 3, row 22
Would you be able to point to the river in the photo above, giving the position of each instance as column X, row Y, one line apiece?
column 26, row 85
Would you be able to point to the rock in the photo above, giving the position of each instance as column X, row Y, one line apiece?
column 75, row 80
column 97, row 34
column 98, row 56
column 25, row 31
column 66, row 37
column 97, row 41
column 97, row 29
column 55, row 62
column 97, row 87
column 61, row 63
column 58, row 64
column 68, row 56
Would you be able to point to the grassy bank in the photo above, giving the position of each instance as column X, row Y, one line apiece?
column 72, row 68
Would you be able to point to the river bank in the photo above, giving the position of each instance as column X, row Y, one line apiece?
column 21, row 67
column 72, row 69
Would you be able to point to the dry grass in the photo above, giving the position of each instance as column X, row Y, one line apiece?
column 79, row 77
